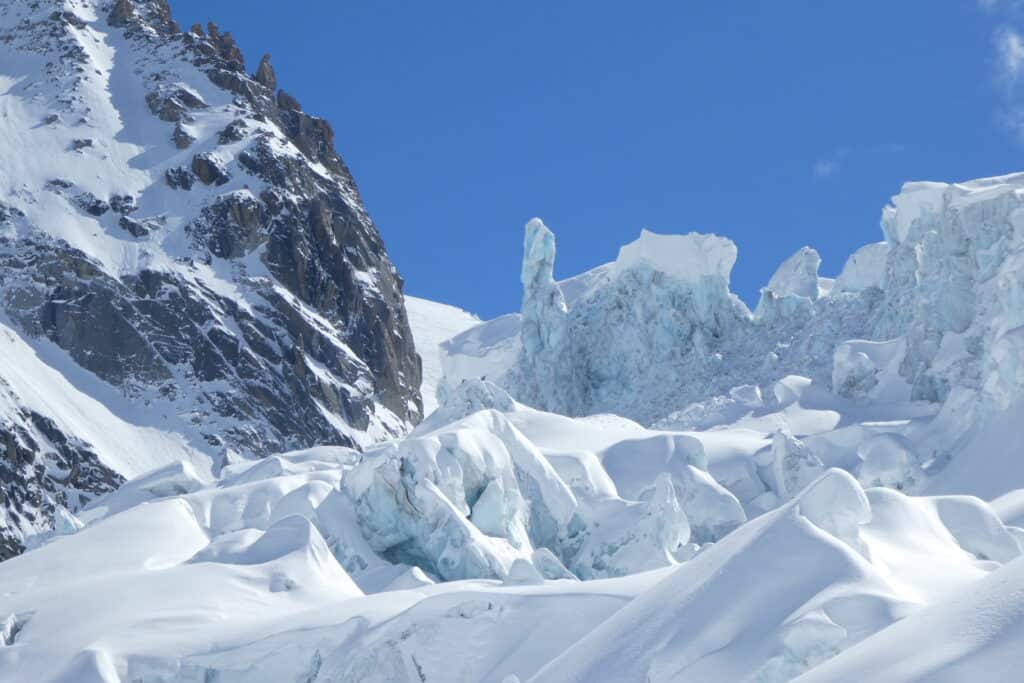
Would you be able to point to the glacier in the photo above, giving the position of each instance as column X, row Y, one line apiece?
column 779, row 526
column 232, row 449
column 930, row 317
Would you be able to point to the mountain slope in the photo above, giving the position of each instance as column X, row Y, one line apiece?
column 432, row 324
column 190, row 238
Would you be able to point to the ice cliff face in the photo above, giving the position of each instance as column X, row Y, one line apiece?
column 659, row 329
column 183, row 242
column 657, row 336
column 953, row 285
column 474, row 496
column 953, row 292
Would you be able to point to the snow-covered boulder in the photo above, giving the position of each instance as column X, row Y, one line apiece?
column 889, row 460
column 790, row 465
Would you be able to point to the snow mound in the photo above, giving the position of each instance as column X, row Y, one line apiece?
column 328, row 564
column 974, row 635
column 827, row 578
column 689, row 258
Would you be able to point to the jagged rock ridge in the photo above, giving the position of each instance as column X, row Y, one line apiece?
column 187, row 234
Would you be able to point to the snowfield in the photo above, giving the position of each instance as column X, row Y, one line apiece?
column 422, row 560
column 432, row 325
column 215, row 466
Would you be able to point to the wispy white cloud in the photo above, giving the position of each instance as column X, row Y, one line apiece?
column 824, row 168
column 1000, row 5
column 832, row 164
column 1012, row 117
column 1010, row 49
column 1008, row 61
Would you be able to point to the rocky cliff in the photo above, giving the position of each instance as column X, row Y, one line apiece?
column 181, row 241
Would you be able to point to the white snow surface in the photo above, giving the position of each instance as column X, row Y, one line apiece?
column 686, row 257
column 271, row 573
column 39, row 376
column 457, row 553
column 432, row 324
column 635, row 478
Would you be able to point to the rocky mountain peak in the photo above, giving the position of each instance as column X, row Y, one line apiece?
column 186, row 236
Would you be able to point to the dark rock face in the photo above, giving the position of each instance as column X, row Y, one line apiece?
column 182, row 138
column 173, row 105
column 180, row 178
column 265, row 75
column 234, row 132
column 42, row 468
column 209, row 170
column 121, row 13
column 306, row 342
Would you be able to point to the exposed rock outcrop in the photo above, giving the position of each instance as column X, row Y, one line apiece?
column 228, row 282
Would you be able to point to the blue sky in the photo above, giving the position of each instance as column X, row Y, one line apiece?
column 777, row 124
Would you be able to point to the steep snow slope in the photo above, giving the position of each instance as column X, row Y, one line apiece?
column 779, row 595
column 432, row 324
column 44, row 397
column 191, row 241
column 975, row 635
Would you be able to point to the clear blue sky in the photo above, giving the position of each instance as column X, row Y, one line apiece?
column 777, row 124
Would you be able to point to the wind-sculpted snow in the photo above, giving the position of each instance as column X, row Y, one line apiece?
column 456, row 554
column 213, row 457
column 826, row 574
column 270, row 574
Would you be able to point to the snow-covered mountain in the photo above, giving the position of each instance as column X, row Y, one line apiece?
column 801, row 528
column 187, row 273
column 222, row 458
